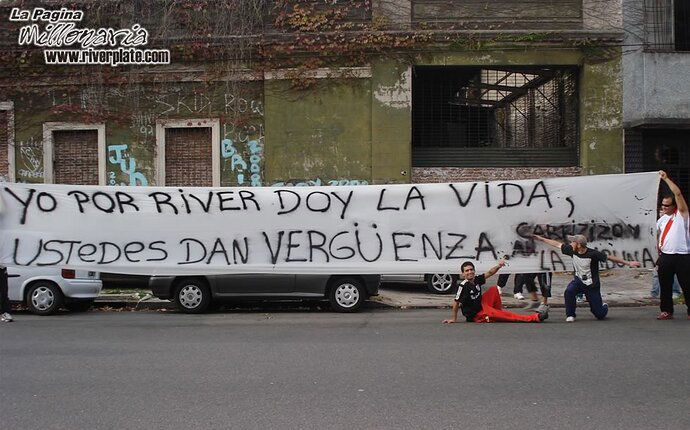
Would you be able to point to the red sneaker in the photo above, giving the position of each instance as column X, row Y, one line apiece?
column 665, row 316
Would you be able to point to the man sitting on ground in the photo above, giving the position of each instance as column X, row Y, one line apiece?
column 484, row 307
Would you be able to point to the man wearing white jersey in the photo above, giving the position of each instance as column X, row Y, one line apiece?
column 673, row 230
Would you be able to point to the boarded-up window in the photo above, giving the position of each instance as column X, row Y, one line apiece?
column 75, row 157
column 188, row 158
column 4, row 161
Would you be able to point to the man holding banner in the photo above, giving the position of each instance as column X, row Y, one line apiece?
column 484, row 307
column 673, row 230
column 586, row 274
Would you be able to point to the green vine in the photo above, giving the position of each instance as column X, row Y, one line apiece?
column 299, row 36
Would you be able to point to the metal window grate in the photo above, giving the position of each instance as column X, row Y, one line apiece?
column 634, row 157
column 658, row 25
column 667, row 25
column 668, row 150
column 507, row 116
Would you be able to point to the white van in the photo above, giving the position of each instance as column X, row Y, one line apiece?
column 45, row 289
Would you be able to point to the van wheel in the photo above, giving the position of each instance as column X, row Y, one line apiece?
column 192, row 296
column 346, row 295
column 79, row 305
column 44, row 298
column 441, row 283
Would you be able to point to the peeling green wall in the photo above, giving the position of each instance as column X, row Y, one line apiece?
column 600, row 91
column 391, row 122
column 319, row 135
column 130, row 113
column 295, row 122
column 351, row 130
column 601, row 117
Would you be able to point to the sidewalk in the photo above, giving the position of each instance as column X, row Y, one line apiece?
column 624, row 287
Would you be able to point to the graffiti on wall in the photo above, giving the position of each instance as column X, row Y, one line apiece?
column 60, row 97
column 238, row 104
column 143, row 123
column 242, row 147
column 239, row 167
column 234, row 104
column 318, row 182
column 30, row 162
column 179, row 103
column 242, row 111
column 118, row 154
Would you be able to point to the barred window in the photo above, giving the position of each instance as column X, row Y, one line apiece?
column 500, row 116
column 667, row 25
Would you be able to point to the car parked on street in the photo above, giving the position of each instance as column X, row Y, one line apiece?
column 437, row 283
column 197, row 294
column 44, row 290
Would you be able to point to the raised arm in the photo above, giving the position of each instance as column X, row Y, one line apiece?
column 551, row 242
column 621, row 261
column 681, row 204
column 495, row 269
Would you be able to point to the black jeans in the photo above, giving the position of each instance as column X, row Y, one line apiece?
column 528, row 280
column 503, row 280
column 670, row 265
column 4, row 299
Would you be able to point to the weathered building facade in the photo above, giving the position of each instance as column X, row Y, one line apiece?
column 656, row 65
column 400, row 91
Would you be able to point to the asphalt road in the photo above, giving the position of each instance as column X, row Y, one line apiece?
column 317, row 370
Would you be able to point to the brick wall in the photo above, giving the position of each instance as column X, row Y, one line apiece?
column 188, row 159
column 75, row 157
column 471, row 174
column 4, row 161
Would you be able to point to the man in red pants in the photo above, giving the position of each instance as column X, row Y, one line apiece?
column 484, row 307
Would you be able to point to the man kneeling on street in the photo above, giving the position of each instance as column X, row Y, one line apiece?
column 484, row 307
column 586, row 274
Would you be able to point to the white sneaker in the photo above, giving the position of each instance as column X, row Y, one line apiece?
column 570, row 319
column 6, row 317
column 519, row 296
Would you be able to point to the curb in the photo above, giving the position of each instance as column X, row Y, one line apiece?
column 634, row 304
column 125, row 301
column 151, row 303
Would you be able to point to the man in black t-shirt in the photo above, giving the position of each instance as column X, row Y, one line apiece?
column 484, row 307
column 586, row 274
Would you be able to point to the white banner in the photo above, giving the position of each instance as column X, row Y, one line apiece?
column 416, row 228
